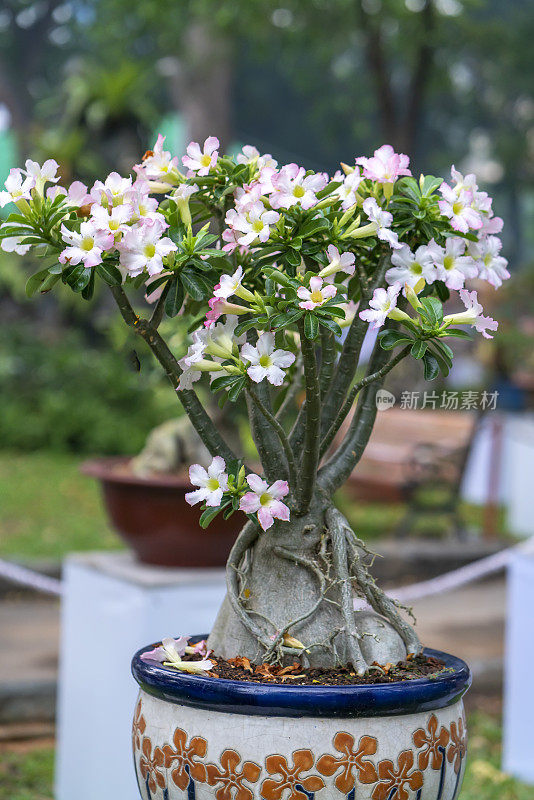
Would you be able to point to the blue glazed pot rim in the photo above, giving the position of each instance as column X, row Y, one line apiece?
column 283, row 700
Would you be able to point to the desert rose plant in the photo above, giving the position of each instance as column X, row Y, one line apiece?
column 280, row 273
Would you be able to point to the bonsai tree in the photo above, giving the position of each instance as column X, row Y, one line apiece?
column 281, row 273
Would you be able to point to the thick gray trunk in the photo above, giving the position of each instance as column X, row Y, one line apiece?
column 298, row 578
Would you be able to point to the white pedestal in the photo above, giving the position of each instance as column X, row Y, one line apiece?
column 111, row 607
column 518, row 748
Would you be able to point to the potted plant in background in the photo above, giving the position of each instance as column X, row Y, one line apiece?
column 297, row 690
column 145, row 498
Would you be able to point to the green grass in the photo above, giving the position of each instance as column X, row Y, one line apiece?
column 26, row 775
column 29, row 775
column 48, row 509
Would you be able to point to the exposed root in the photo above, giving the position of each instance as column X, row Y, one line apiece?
column 339, row 568
column 376, row 598
column 339, row 554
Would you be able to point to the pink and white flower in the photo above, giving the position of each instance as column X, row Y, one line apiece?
column 265, row 361
column 317, row 295
column 170, row 653
column 265, row 501
column 385, row 166
column 12, row 244
column 111, row 192
column 452, row 264
column 382, row 219
column 349, row 187
column 492, row 267
column 212, row 483
column 292, row 186
column 18, row 186
column 78, row 195
column 458, row 207
column 253, row 223
column 250, row 155
column 143, row 207
column 87, row 246
column 381, row 304
column 112, row 220
column 409, row 268
column 168, row 650
column 158, row 165
column 473, row 315
column 338, row 262
column 229, row 284
column 47, row 173
column 144, row 248
column 201, row 161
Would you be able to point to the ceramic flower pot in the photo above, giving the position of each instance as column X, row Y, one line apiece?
column 206, row 738
column 152, row 516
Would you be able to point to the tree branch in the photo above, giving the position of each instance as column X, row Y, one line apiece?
column 381, row 373
column 336, row 471
column 350, row 354
column 192, row 405
column 310, row 454
column 273, row 422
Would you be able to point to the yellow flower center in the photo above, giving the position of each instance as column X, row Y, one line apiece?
column 150, row 250
column 205, row 160
column 316, row 297
column 265, row 499
column 257, row 226
column 457, row 207
column 298, row 191
column 448, row 262
column 213, row 484
column 416, row 268
column 265, row 361
column 88, row 243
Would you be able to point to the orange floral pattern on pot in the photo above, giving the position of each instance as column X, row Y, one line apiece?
column 433, row 744
column 398, row 778
column 181, row 758
column 150, row 765
column 291, row 781
column 351, row 762
column 458, row 745
column 231, row 778
column 139, row 726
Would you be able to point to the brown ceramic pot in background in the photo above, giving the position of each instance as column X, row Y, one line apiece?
column 153, row 518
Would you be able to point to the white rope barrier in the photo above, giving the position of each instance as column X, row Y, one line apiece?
column 404, row 594
column 456, row 577
column 28, row 577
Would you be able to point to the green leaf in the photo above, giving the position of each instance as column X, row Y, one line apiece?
column 279, row 277
column 193, row 286
column 208, row 516
column 311, row 326
column 433, row 309
column 330, row 325
column 109, row 273
column 390, row 339
column 89, row 290
column 441, row 291
column 458, row 333
column 175, row 298
column 35, row 281
column 419, row 348
column 283, row 320
column 430, row 184
column 313, row 226
column 444, row 363
column 431, row 367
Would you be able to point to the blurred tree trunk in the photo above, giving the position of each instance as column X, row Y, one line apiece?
column 400, row 122
column 202, row 86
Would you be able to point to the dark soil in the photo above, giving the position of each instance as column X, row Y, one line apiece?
column 240, row 669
